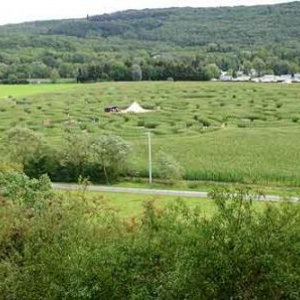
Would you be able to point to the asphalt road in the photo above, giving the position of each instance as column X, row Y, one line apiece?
column 184, row 194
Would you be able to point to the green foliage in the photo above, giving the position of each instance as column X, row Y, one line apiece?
column 156, row 44
column 5, row 167
column 22, row 143
column 211, row 71
column 18, row 188
column 54, row 76
column 75, row 153
column 137, row 74
column 259, row 65
column 72, row 248
column 166, row 167
column 111, row 153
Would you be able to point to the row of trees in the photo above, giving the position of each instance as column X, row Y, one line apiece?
column 190, row 70
column 101, row 158
column 104, row 158
column 193, row 67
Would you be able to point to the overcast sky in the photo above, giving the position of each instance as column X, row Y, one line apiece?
column 15, row 11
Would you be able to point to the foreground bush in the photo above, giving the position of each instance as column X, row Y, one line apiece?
column 79, row 249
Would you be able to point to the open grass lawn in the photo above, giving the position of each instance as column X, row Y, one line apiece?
column 132, row 205
column 127, row 205
column 13, row 91
column 232, row 132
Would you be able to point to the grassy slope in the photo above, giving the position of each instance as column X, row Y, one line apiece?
column 263, row 150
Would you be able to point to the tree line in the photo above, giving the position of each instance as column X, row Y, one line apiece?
column 199, row 67
column 102, row 159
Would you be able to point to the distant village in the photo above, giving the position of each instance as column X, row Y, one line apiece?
column 241, row 77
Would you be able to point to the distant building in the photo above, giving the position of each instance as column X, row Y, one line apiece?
column 268, row 79
column 285, row 79
column 296, row 78
column 274, row 79
column 225, row 77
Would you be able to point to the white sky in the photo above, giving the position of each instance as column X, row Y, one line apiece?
column 15, row 11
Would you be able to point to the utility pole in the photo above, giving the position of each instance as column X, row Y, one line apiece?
column 150, row 157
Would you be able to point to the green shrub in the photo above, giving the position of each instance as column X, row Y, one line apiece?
column 17, row 187
column 7, row 167
column 151, row 125
column 126, row 119
column 141, row 123
column 77, row 249
column 167, row 167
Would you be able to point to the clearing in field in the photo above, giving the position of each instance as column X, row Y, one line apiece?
column 241, row 132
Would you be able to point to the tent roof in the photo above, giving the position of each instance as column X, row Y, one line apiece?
column 135, row 108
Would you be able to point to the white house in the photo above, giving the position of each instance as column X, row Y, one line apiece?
column 268, row 78
column 296, row 78
column 285, row 78
column 225, row 77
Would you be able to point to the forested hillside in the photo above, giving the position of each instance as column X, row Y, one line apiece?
column 178, row 43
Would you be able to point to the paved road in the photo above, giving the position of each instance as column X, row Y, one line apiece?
column 185, row 194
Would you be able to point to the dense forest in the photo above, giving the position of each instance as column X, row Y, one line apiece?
column 155, row 44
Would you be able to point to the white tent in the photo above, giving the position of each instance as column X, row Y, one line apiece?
column 135, row 108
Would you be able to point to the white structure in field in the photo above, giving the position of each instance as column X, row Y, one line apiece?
column 136, row 109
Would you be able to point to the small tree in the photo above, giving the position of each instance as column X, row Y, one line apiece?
column 168, row 167
column 18, row 187
column 21, row 144
column 54, row 76
column 137, row 74
column 111, row 153
column 259, row 65
column 211, row 71
column 76, row 153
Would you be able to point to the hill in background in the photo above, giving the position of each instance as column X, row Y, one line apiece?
column 182, row 43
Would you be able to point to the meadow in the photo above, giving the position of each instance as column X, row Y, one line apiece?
column 229, row 132
column 84, row 246
column 132, row 206
column 14, row 91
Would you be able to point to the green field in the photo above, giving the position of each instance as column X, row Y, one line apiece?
column 14, row 91
column 238, row 132
column 128, row 206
